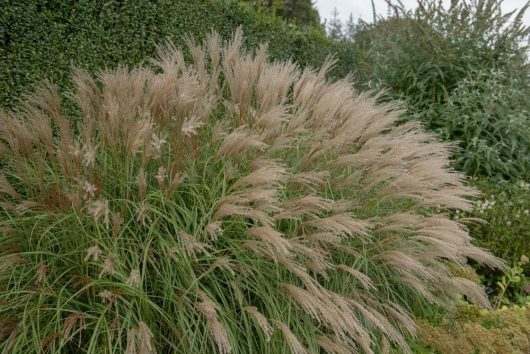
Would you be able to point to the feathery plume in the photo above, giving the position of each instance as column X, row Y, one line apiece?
column 117, row 221
column 146, row 339
column 134, row 278
column 261, row 320
column 209, row 309
column 213, row 230
column 361, row 277
column 108, row 266
column 88, row 189
column 93, row 252
column 141, row 182
column 294, row 343
column 191, row 245
column 161, row 176
column 76, row 319
column 132, row 333
column 89, row 154
column 41, row 273
column 99, row 209
column 334, row 347
column 190, row 126
column 142, row 213
column 173, row 183
column 108, row 296
column 239, row 142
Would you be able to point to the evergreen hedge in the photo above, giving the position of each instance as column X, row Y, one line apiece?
column 44, row 39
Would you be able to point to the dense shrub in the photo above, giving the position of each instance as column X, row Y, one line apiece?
column 463, row 72
column 229, row 205
column 505, row 208
column 490, row 116
column 43, row 39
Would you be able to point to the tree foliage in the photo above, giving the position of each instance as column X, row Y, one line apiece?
column 300, row 12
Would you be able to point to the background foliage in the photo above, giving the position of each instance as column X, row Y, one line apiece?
column 41, row 40
column 299, row 12
column 463, row 72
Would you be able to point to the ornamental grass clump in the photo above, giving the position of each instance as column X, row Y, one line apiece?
column 227, row 205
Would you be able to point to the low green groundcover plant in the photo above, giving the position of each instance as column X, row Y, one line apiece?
column 471, row 330
column 228, row 205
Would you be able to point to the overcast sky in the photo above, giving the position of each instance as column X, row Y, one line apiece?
column 363, row 8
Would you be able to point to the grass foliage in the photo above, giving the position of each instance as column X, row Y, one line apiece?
column 225, row 204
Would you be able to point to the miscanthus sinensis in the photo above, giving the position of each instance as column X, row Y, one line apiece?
column 229, row 204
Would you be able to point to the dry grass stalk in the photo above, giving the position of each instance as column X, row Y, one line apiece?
column 261, row 320
column 41, row 274
column 109, row 265
column 209, row 310
column 191, row 246
column 294, row 343
column 334, row 347
column 76, row 319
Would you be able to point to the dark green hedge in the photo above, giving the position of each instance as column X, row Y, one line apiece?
column 43, row 39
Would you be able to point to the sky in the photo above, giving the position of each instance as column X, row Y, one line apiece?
column 363, row 8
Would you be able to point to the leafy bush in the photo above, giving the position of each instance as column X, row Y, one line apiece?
column 229, row 205
column 491, row 119
column 505, row 208
column 463, row 72
column 514, row 285
column 42, row 40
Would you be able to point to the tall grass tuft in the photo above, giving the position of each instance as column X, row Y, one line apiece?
column 227, row 205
